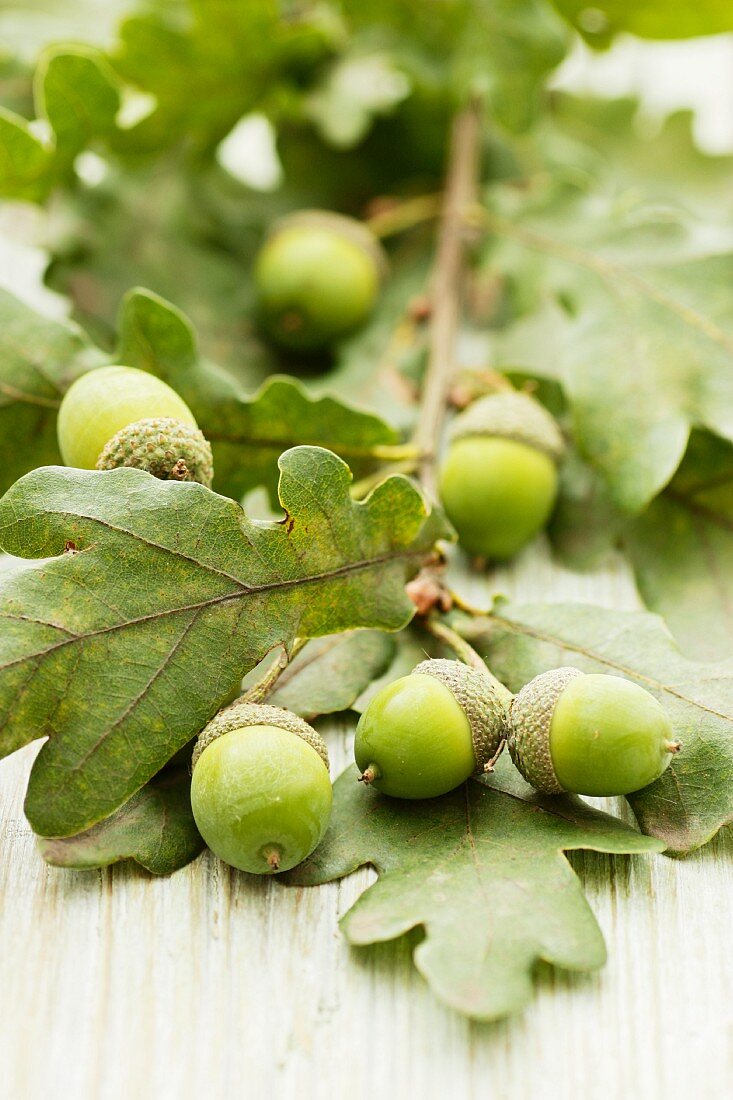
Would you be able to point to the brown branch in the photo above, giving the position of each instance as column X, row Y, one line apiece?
column 460, row 193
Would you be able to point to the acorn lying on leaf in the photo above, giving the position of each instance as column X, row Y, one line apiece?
column 426, row 733
column 589, row 734
column 260, row 792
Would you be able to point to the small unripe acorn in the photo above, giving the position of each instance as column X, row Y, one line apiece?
column 167, row 448
column 589, row 734
column 260, row 790
column 426, row 733
column 317, row 276
column 499, row 480
column 103, row 401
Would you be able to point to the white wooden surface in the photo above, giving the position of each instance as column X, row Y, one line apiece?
column 211, row 984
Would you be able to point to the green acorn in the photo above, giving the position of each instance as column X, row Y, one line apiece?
column 499, row 480
column 104, row 401
column 589, row 734
column 167, row 448
column 318, row 276
column 260, row 791
column 426, row 733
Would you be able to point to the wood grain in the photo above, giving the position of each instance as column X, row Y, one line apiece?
column 211, row 984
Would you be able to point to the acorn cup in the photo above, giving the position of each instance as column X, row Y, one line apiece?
column 169, row 449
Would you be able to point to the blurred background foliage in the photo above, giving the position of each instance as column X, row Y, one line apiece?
column 203, row 120
column 153, row 143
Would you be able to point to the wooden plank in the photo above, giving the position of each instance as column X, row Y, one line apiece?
column 210, row 984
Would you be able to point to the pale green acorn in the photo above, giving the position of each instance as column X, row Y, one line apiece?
column 426, row 733
column 499, row 479
column 104, row 401
column 591, row 734
column 167, row 448
column 318, row 277
column 260, row 792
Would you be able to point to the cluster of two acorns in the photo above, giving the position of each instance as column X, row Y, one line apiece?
column 317, row 278
column 261, row 791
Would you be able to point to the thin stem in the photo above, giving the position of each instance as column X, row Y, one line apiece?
column 405, row 215
column 468, row 608
column 272, row 854
column 459, row 645
column 445, row 290
column 469, row 385
column 264, row 686
column 395, row 452
column 369, row 774
column 364, row 486
column 464, row 652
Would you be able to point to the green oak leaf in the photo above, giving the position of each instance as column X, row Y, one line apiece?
column 534, row 342
column 247, row 433
column 601, row 20
column 155, row 828
column 503, row 48
column 694, row 796
column 331, row 672
column 77, row 92
column 681, row 549
column 648, row 333
column 39, row 359
column 160, row 596
column 216, row 63
column 482, row 872
column 585, row 524
column 24, row 160
column 606, row 141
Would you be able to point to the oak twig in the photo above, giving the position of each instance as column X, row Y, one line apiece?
column 446, row 283
column 465, row 652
